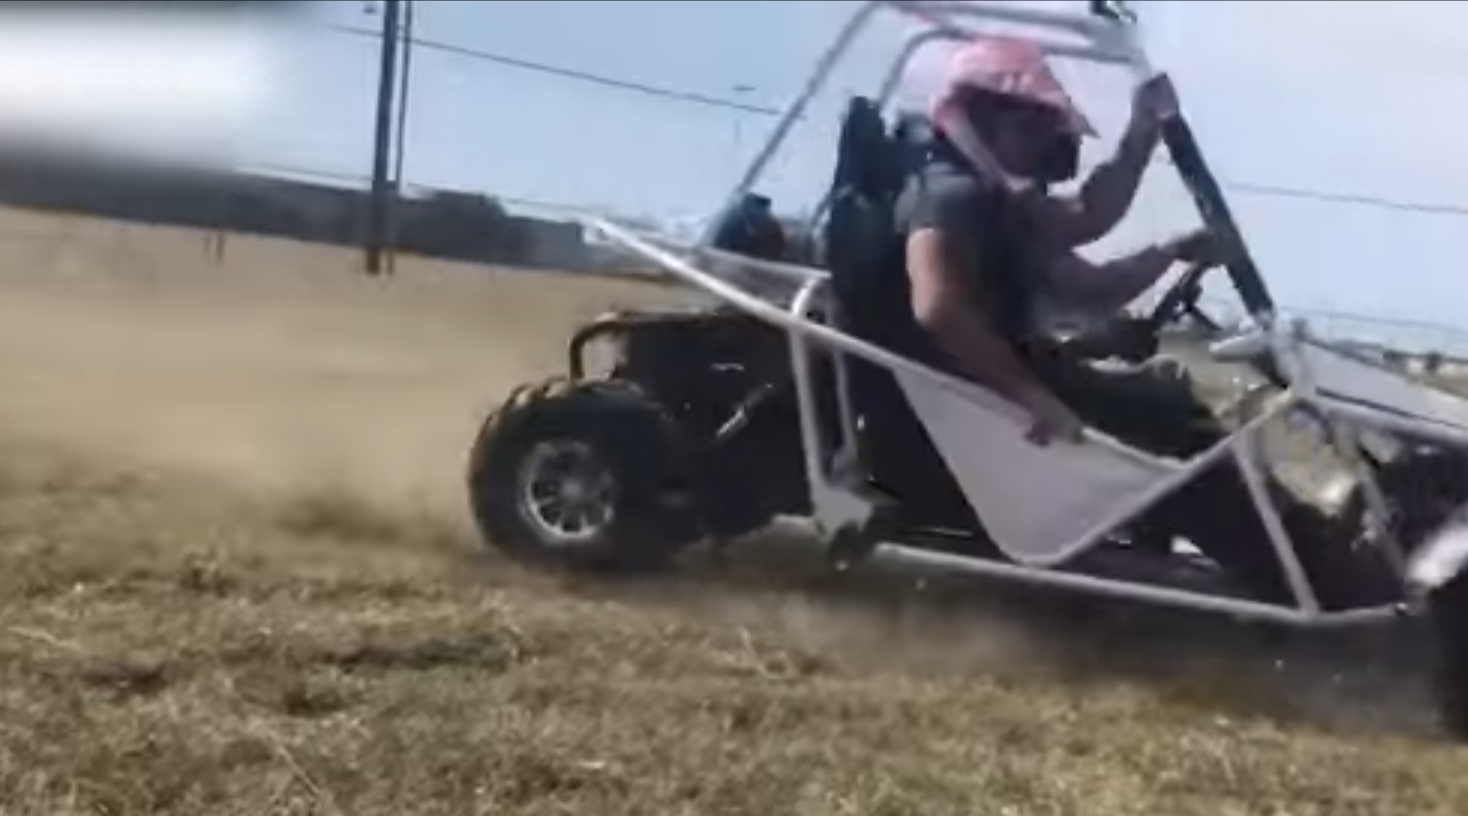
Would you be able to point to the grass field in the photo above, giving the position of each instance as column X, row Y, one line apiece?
column 236, row 577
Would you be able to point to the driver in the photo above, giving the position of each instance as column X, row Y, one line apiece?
column 991, row 262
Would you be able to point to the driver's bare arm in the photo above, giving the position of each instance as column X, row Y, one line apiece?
column 1113, row 284
column 1108, row 192
column 941, row 304
column 941, row 261
column 1105, row 287
column 1103, row 199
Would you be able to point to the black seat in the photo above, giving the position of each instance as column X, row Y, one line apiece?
column 865, row 256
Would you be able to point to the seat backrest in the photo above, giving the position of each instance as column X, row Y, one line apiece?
column 863, row 251
column 865, row 257
column 866, row 157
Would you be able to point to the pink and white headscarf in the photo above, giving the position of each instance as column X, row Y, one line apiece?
column 1007, row 66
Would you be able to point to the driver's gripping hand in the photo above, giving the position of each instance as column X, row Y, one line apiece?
column 1155, row 101
column 1203, row 247
column 1055, row 423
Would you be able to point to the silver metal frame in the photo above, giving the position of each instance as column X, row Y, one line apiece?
column 838, row 504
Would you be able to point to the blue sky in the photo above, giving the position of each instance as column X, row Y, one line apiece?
column 1355, row 98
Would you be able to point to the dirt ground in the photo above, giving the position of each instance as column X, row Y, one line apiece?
column 236, row 577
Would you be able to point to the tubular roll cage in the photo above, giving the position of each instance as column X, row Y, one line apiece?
column 1109, row 40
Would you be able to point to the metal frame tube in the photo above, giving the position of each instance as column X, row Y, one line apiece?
column 943, row 11
column 1389, row 421
column 1246, row 456
column 802, row 332
column 1109, row 42
column 1347, row 442
column 1184, row 474
column 810, row 429
column 796, row 109
column 1164, row 596
column 789, row 272
column 844, row 405
column 1344, row 439
column 916, row 43
column 841, row 341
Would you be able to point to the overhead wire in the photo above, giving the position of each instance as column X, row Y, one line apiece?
column 533, row 206
column 708, row 100
column 725, row 103
column 691, row 97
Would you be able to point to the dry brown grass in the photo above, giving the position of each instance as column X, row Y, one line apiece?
column 235, row 578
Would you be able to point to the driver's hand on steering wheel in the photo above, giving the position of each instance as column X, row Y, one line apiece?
column 1202, row 247
column 1155, row 101
column 1052, row 421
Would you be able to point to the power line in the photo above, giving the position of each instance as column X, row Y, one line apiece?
column 581, row 209
column 603, row 80
column 1323, row 196
column 1253, row 188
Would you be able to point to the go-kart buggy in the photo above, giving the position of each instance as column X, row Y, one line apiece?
column 713, row 422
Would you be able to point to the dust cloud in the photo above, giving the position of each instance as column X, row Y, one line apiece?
column 275, row 365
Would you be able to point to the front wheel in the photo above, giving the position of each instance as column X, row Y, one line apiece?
column 1449, row 612
column 575, row 474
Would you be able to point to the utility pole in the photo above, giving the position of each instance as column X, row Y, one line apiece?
column 401, row 138
column 381, row 189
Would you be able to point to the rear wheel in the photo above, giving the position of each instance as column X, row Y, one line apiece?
column 575, row 474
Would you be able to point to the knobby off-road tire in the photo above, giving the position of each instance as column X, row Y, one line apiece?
column 1449, row 612
column 1426, row 492
column 613, row 432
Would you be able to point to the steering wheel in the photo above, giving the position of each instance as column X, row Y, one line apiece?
column 1181, row 299
column 1137, row 339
